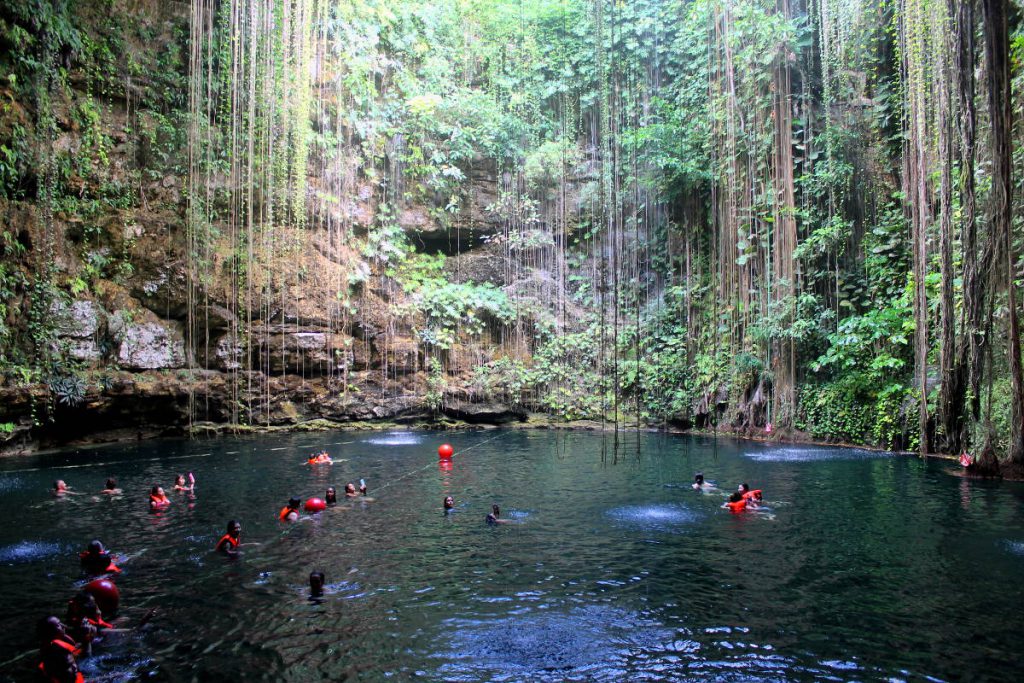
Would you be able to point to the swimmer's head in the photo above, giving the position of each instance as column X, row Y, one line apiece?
column 294, row 503
column 234, row 528
column 743, row 488
column 350, row 488
column 85, row 604
column 157, row 490
column 316, row 583
column 331, row 496
column 111, row 483
column 495, row 510
column 179, row 480
column 449, row 502
column 49, row 628
column 736, row 497
column 96, row 547
column 698, row 478
column 59, row 485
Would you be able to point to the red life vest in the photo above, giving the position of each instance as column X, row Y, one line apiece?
column 285, row 511
column 754, row 495
column 67, row 646
column 738, row 506
column 159, row 501
column 227, row 538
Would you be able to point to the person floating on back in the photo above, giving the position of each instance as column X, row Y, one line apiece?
column 57, row 653
column 111, row 488
column 231, row 540
column 158, row 500
column 97, row 560
column 290, row 512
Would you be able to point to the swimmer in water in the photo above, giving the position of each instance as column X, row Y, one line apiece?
column 752, row 498
column 61, row 489
column 180, row 485
column 449, row 504
column 111, row 488
column 158, row 500
column 735, row 503
column 57, row 652
column 85, row 621
column 331, row 497
column 97, row 560
column 290, row 512
column 350, row 490
column 494, row 517
column 317, row 580
column 699, row 484
column 232, row 539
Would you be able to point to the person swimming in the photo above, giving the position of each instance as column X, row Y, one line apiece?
column 290, row 512
column 158, row 500
column 111, row 488
column 736, row 502
column 319, row 458
column 350, row 490
column 317, row 581
column 180, row 485
column 57, row 652
column 84, row 620
column 331, row 496
column 449, row 504
column 751, row 497
column 97, row 560
column 494, row 517
column 699, row 484
column 61, row 489
column 231, row 540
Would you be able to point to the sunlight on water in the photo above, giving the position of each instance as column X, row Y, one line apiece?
column 396, row 439
column 1015, row 547
column 655, row 517
column 789, row 454
column 28, row 551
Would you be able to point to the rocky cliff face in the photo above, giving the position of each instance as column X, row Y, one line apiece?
column 106, row 333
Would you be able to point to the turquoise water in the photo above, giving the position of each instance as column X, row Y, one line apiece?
column 863, row 566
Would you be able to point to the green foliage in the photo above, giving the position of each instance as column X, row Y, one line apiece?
column 504, row 380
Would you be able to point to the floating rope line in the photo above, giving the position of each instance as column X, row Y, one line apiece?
column 420, row 469
column 105, row 464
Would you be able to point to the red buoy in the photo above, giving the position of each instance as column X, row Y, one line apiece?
column 445, row 451
column 106, row 594
column 315, row 505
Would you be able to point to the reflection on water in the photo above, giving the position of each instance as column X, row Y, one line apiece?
column 614, row 569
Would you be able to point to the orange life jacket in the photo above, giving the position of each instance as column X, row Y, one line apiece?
column 111, row 567
column 79, row 678
column 285, row 511
column 159, row 501
column 754, row 495
column 227, row 538
column 738, row 506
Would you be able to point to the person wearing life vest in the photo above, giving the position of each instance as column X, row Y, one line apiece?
column 751, row 497
column 83, row 607
column 57, row 653
column 230, row 541
column 736, row 503
column 158, row 500
column 966, row 460
column 97, row 560
column 290, row 512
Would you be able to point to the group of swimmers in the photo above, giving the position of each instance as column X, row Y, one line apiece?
column 743, row 498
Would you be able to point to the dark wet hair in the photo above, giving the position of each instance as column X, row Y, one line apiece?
column 48, row 628
column 96, row 546
column 736, row 497
column 745, row 486
column 317, row 576
column 154, row 489
column 231, row 525
column 495, row 510
column 294, row 502
column 699, row 477
column 111, row 483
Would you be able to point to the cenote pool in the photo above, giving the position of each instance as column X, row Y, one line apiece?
column 866, row 566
